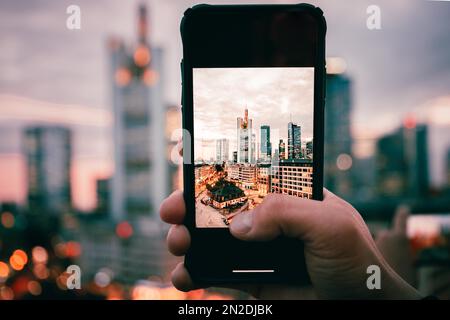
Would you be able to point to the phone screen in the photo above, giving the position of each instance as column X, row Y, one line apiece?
column 253, row 135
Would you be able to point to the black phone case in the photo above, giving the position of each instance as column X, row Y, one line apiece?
column 187, row 117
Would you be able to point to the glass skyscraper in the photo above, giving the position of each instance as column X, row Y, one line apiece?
column 266, row 146
column 294, row 141
column 245, row 141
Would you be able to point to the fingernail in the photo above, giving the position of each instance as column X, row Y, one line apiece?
column 242, row 223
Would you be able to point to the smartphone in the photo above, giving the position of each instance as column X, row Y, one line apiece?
column 253, row 92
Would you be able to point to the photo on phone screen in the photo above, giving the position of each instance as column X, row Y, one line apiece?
column 253, row 135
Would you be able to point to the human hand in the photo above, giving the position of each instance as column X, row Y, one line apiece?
column 338, row 247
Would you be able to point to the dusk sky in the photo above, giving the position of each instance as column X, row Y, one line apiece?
column 401, row 69
column 273, row 97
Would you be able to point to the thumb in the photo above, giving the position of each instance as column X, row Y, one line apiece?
column 401, row 218
column 280, row 214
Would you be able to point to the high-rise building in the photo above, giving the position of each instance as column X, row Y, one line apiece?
column 263, row 178
column 222, row 150
column 292, row 177
column 253, row 155
column 338, row 140
column 140, row 178
column 294, row 141
column 245, row 142
column 402, row 163
column 266, row 146
column 173, row 126
column 309, row 149
column 48, row 150
column 235, row 153
column 448, row 168
column 282, row 150
column 103, row 196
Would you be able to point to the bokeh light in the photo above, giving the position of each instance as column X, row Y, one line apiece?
column 150, row 77
column 6, row 293
column 4, row 271
column 39, row 255
column 124, row 230
column 142, row 56
column 103, row 277
column 41, row 271
column 34, row 288
column 18, row 260
column 7, row 220
column 122, row 77
column 344, row 162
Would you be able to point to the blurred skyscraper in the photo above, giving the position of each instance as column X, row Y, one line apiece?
column 448, row 167
column 132, row 244
column 140, row 180
column 294, row 141
column 402, row 162
column 103, row 196
column 48, row 151
column 338, row 140
column 173, row 125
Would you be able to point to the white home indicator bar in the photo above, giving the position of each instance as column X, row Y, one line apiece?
column 254, row 271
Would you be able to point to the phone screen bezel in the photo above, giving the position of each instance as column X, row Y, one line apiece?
column 214, row 37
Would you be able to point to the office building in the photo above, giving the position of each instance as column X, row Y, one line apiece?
column 448, row 168
column 222, row 150
column 294, row 141
column 309, row 150
column 141, row 177
column 245, row 142
column 293, row 177
column 402, row 163
column 103, row 196
column 266, row 146
column 338, row 140
column 263, row 179
column 244, row 175
column 235, row 156
column 48, row 151
column 282, row 150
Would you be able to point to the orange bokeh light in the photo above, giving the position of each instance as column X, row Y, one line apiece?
column 41, row 271
column 6, row 293
column 150, row 77
column 7, row 220
column 18, row 260
column 34, row 288
column 124, row 230
column 73, row 249
column 410, row 122
column 142, row 56
column 123, row 77
column 39, row 255
column 4, row 270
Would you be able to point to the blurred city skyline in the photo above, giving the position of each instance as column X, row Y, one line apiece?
column 88, row 135
column 397, row 71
